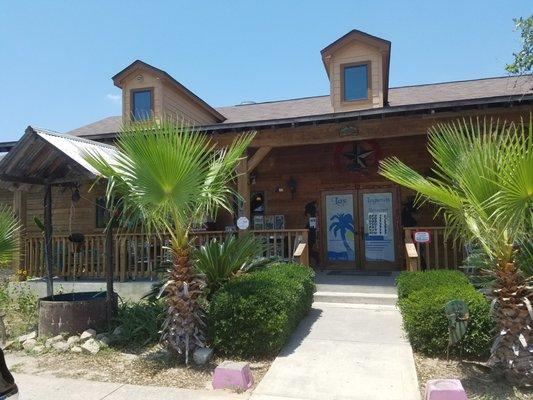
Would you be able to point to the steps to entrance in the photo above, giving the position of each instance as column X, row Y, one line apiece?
column 356, row 298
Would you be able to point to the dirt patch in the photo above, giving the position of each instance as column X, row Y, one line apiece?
column 476, row 379
column 153, row 367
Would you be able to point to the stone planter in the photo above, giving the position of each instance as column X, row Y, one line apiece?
column 73, row 313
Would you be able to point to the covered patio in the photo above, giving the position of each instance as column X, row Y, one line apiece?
column 358, row 221
column 53, row 184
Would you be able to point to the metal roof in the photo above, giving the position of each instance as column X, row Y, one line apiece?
column 42, row 156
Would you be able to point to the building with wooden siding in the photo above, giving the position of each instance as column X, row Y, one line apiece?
column 310, row 175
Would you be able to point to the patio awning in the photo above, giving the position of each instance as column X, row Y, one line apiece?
column 43, row 156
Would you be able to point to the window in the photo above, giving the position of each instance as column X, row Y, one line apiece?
column 141, row 104
column 355, row 82
column 102, row 215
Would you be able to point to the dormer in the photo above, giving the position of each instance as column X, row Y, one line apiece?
column 148, row 91
column 357, row 65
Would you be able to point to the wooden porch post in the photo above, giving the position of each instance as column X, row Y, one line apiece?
column 19, row 209
column 243, row 187
column 48, row 239
column 110, row 294
column 411, row 255
column 244, row 168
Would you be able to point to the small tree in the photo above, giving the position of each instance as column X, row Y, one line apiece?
column 168, row 176
column 523, row 60
column 483, row 185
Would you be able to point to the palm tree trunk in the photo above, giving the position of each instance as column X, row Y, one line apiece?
column 512, row 351
column 183, row 330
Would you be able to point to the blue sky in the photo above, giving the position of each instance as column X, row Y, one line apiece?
column 57, row 58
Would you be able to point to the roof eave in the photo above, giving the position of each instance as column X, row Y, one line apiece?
column 370, row 113
column 32, row 136
column 338, row 42
column 508, row 100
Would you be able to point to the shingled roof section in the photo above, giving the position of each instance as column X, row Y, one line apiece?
column 103, row 126
column 320, row 105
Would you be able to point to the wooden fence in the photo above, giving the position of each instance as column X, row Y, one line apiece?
column 138, row 255
column 440, row 252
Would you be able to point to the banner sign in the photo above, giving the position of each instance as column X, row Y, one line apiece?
column 379, row 229
column 340, row 235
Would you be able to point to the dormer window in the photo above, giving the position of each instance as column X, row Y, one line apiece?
column 142, row 104
column 355, row 81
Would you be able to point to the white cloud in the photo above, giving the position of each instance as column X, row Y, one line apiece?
column 114, row 98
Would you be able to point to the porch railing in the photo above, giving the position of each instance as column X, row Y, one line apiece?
column 440, row 252
column 138, row 255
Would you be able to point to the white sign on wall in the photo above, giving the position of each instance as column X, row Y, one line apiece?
column 422, row 237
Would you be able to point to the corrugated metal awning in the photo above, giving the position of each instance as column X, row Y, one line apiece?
column 43, row 156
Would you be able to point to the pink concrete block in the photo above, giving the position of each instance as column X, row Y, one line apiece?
column 233, row 375
column 445, row 389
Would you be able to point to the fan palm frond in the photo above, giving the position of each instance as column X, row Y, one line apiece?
column 9, row 228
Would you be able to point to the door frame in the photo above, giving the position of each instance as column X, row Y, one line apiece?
column 380, row 265
column 347, row 265
column 358, row 190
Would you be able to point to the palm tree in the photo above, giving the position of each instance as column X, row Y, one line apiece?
column 9, row 228
column 344, row 224
column 483, row 185
column 168, row 176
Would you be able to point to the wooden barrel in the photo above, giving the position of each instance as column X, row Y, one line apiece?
column 73, row 313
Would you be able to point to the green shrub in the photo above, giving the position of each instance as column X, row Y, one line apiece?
column 427, row 326
column 20, row 307
column 140, row 323
column 254, row 315
column 220, row 261
column 409, row 282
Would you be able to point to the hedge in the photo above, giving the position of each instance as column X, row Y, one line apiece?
column 427, row 326
column 409, row 282
column 254, row 315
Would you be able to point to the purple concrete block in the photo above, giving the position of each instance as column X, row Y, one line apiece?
column 445, row 389
column 233, row 375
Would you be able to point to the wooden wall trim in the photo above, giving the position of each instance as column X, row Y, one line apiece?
column 366, row 129
column 259, row 155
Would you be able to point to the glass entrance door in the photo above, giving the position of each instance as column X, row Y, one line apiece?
column 379, row 229
column 340, row 237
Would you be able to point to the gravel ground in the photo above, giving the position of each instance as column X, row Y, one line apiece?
column 476, row 380
column 152, row 367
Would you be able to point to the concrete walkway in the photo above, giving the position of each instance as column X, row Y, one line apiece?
column 346, row 351
column 350, row 347
column 41, row 387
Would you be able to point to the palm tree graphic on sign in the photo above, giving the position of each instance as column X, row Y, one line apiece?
column 343, row 224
